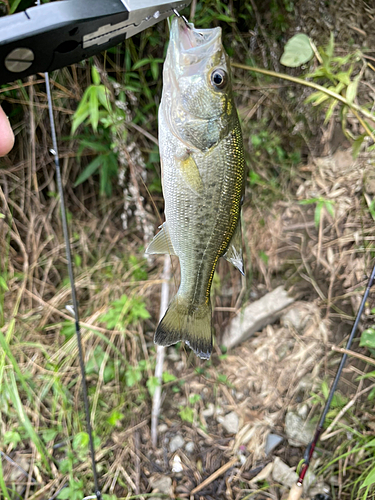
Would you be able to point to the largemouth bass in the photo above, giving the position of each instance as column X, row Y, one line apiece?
column 203, row 168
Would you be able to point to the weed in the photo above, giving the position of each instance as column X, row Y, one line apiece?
column 126, row 310
column 188, row 413
column 321, row 204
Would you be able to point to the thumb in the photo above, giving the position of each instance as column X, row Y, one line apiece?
column 6, row 134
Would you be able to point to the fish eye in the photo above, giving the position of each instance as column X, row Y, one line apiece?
column 219, row 78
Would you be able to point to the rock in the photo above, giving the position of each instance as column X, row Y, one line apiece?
column 299, row 431
column 176, row 442
column 161, row 484
column 273, row 440
column 318, row 487
column 176, row 464
column 256, row 316
column 173, row 354
column 162, row 428
column 230, row 422
column 209, row 411
column 283, row 474
column 189, row 447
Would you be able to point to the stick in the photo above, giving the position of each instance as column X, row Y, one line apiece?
column 213, row 476
column 368, row 360
column 160, row 351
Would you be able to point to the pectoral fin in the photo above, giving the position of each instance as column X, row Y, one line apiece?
column 161, row 242
column 190, row 173
column 234, row 250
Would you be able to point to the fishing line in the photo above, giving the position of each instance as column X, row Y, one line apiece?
column 55, row 153
column 296, row 490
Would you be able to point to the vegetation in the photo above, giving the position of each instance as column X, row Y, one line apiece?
column 106, row 116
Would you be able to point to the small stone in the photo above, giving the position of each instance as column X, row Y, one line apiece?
column 173, row 355
column 162, row 428
column 283, row 474
column 161, row 485
column 256, row 316
column 299, row 431
column 175, row 443
column 189, row 447
column 176, row 464
column 230, row 422
column 303, row 411
column 209, row 411
column 273, row 440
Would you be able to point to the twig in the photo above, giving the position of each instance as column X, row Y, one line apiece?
column 160, row 351
column 354, row 354
column 213, row 476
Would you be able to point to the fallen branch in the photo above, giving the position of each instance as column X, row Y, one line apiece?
column 160, row 351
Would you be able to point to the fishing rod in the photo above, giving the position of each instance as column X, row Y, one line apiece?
column 297, row 489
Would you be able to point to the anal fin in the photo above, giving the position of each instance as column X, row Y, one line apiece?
column 161, row 242
column 234, row 250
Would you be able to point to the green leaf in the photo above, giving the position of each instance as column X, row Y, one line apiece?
column 133, row 375
column 330, row 47
column 154, row 70
column 3, row 284
column 317, row 214
column 64, row 494
column 104, row 97
column 370, row 479
column 356, row 145
column 81, row 114
column 91, row 168
column 94, row 108
column 95, row 75
column 141, row 62
column 168, row 377
column 330, row 110
column 351, row 91
column 297, row 51
column 14, row 6
column 49, row 435
column 316, row 97
column 152, row 383
column 368, row 338
column 343, row 77
column 11, row 437
column 115, row 417
column 329, row 207
column 225, row 18
column 80, row 440
column 187, row 414
column 194, row 398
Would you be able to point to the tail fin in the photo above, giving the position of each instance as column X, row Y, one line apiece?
column 180, row 322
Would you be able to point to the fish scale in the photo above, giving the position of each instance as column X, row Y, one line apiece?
column 203, row 172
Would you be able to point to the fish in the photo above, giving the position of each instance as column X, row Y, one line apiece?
column 203, row 175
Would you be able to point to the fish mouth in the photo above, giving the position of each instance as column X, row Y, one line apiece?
column 192, row 46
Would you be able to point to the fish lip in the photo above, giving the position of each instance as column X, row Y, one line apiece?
column 189, row 40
